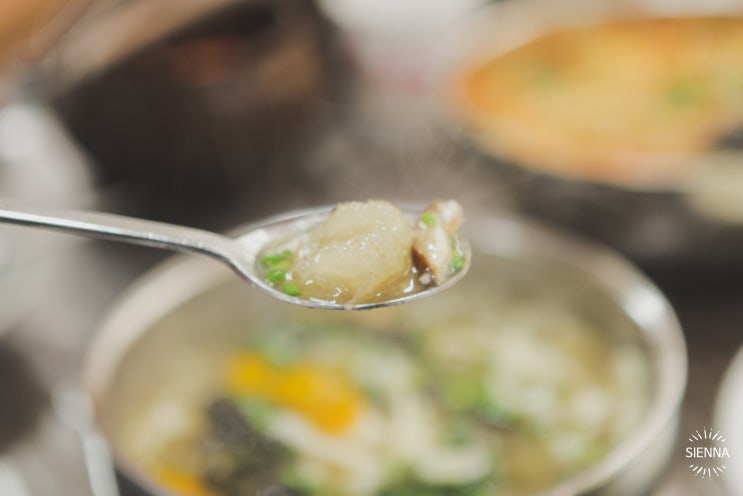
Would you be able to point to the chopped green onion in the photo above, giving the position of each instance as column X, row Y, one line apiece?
column 542, row 75
column 493, row 413
column 275, row 275
column 292, row 289
column 299, row 482
column 686, row 92
column 256, row 411
column 276, row 259
column 429, row 219
column 461, row 394
column 460, row 433
column 457, row 262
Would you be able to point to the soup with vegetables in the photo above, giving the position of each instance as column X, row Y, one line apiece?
column 629, row 101
column 506, row 385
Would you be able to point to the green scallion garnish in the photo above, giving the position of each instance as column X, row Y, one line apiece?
column 457, row 262
column 429, row 219
column 276, row 260
column 292, row 289
column 275, row 275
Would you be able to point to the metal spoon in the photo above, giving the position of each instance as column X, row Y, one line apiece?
column 240, row 253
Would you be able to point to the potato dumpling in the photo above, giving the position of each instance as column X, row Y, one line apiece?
column 360, row 248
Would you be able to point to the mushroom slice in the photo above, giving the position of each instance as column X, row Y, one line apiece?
column 435, row 246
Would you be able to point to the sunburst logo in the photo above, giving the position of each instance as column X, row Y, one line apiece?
column 707, row 453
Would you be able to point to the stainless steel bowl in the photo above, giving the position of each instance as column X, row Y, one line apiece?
column 169, row 327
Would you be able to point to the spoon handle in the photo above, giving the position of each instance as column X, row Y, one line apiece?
column 119, row 228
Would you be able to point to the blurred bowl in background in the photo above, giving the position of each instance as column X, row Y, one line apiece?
column 205, row 116
column 629, row 100
column 611, row 116
column 156, row 368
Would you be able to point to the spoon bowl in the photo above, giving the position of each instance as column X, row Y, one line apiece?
column 240, row 253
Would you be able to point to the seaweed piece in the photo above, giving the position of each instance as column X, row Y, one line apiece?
column 239, row 459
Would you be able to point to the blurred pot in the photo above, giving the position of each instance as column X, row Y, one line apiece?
column 684, row 222
column 197, row 117
column 170, row 329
